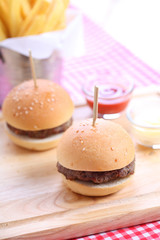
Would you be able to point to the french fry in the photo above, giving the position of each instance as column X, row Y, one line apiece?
column 44, row 8
column 61, row 23
column 66, row 3
column 37, row 26
column 4, row 15
column 28, row 21
column 3, row 34
column 32, row 2
column 25, row 8
column 15, row 18
column 56, row 11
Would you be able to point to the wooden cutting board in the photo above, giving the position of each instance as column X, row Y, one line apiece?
column 35, row 204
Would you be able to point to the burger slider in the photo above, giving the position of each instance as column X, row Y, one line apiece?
column 37, row 117
column 96, row 160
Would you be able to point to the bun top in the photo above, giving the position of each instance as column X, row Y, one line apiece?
column 105, row 147
column 30, row 108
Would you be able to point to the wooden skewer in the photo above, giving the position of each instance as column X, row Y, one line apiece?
column 95, row 105
column 33, row 69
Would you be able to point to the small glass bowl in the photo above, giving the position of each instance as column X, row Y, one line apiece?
column 114, row 93
column 144, row 115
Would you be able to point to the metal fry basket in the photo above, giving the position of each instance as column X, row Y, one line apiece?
column 15, row 68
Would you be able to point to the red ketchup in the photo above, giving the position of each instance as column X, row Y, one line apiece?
column 112, row 99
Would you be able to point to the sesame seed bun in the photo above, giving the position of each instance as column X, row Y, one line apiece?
column 103, row 147
column 29, row 108
column 33, row 109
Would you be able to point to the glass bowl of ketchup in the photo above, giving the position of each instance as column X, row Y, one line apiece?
column 114, row 94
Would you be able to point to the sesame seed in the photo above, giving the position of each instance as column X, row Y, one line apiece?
column 48, row 100
column 77, row 131
column 82, row 141
column 17, row 114
column 41, row 103
column 19, row 107
column 83, row 149
column 36, row 101
column 52, row 109
column 32, row 103
column 112, row 148
column 35, row 126
column 31, row 108
column 53, row 99
column 26, row 112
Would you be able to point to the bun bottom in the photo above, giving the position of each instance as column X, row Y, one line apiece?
column 34, row 144
column 92, row 189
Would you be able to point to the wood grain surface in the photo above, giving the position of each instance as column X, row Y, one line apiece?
column 35, row 204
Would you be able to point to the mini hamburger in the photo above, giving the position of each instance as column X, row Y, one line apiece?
column 96, row 160
column 36, row 117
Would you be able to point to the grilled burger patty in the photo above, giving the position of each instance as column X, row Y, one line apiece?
column 97, row 177
column 42, row 133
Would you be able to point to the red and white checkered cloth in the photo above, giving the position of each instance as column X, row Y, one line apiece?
column 104, row 54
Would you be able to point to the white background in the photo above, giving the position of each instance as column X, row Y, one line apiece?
column 134, row 23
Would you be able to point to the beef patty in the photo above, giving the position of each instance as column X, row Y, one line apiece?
column 97, row 177
column 41, row 133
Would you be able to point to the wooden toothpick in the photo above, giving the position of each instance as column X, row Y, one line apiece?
column 95, row 105
column 33, row 69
